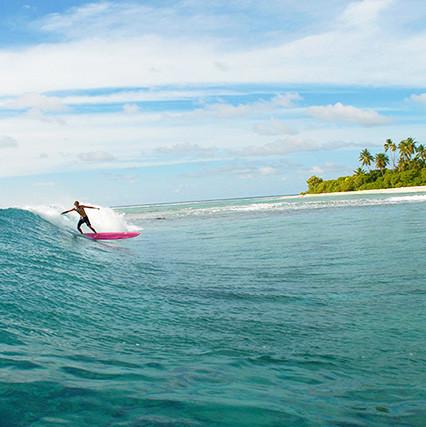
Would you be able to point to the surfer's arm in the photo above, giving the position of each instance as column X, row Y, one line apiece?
column 69, row 210
column 89, row 207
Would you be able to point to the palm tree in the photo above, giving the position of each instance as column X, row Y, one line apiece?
column 406, row 149
column 387, row 145
column 421, row 154
column 382, row 161
column 366, row 158
column 411, row 144
column 393, row 150
column 404, row 154
column 391, row 147
column 359, row 171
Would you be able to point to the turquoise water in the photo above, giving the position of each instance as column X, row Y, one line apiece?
column 250, row 312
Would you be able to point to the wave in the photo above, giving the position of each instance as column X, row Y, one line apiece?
column 25, row 233
column 26, row 239
column 39, row 242
column 407, row 199
column 104, row 219
column 259, row 206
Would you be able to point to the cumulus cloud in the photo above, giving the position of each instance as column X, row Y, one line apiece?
column 186, row 149
column 267, row 170
column 328, row 167
column 362, row 13
column 245, row 170
column 43, row 184
column 124, row 177
column 37, row 102
column 226, row 110
column 96, row 156
column 8, row 142
column 287, row 99
column 116, row 44
column 347, row 113
column 131, row 108
column 149, row 95
column 121, row 19
column 281, row 147
column 221, row 66
column 316, row 170
column 420, row 98
column 273, row 127
column 292, row 144
column 277, row 148
column 107, row 45
column 255, row 172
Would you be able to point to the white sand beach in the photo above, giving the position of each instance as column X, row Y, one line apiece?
column 416, row 189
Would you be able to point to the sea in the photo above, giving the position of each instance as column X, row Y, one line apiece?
column 272, row 311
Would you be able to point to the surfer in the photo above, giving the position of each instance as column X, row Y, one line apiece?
column 84, row 219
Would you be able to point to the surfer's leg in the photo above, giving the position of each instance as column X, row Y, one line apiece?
column 79, row 226
column 87, row 221
column 92, row 229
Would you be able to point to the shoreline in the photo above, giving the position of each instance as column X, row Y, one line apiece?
column 415, row 189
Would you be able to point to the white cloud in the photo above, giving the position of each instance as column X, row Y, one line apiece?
column 127, row 18
column 362, row 13
column 293, row 144
column 420, row 98
column 144, row 140
column 221, row 66
column 326, row 168
column 43, row 184
column 347, row 113
column 287, row 99
column 36, row 102
column 96, row 156
column 186, row 149
column 267, row 170
column 281, row 147
column 150, row 139
column 125, row 44
column 245, row 170
column 127, row 178
column 273, row 127
column 316, row 170
column 130, row 108
column 225, row 110
column 8, row 142
column 152, row 94
column 69, row 23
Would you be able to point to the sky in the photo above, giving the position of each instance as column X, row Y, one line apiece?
column 128, row 102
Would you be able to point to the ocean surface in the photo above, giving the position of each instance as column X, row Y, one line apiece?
column 272, row 311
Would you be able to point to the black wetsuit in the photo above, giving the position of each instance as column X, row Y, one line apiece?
column 84, row 220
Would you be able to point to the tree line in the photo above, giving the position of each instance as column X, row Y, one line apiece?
column 400, row 165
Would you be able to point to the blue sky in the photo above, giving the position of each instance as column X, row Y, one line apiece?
column 148, row 101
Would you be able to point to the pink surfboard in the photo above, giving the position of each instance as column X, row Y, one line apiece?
column 115, row 235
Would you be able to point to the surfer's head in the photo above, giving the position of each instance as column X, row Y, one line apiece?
column 76, row 203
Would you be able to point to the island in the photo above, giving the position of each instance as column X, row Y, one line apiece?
column 402, row 165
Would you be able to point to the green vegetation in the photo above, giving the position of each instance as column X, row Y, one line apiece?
column 406, row 168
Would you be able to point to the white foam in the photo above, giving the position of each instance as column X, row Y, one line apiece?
column 104, row 219
column 274, row 206
column 417, row 198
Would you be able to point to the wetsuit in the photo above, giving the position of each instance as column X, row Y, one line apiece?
column 84, row 220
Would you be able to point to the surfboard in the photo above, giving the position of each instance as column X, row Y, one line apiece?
column 115, row 235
